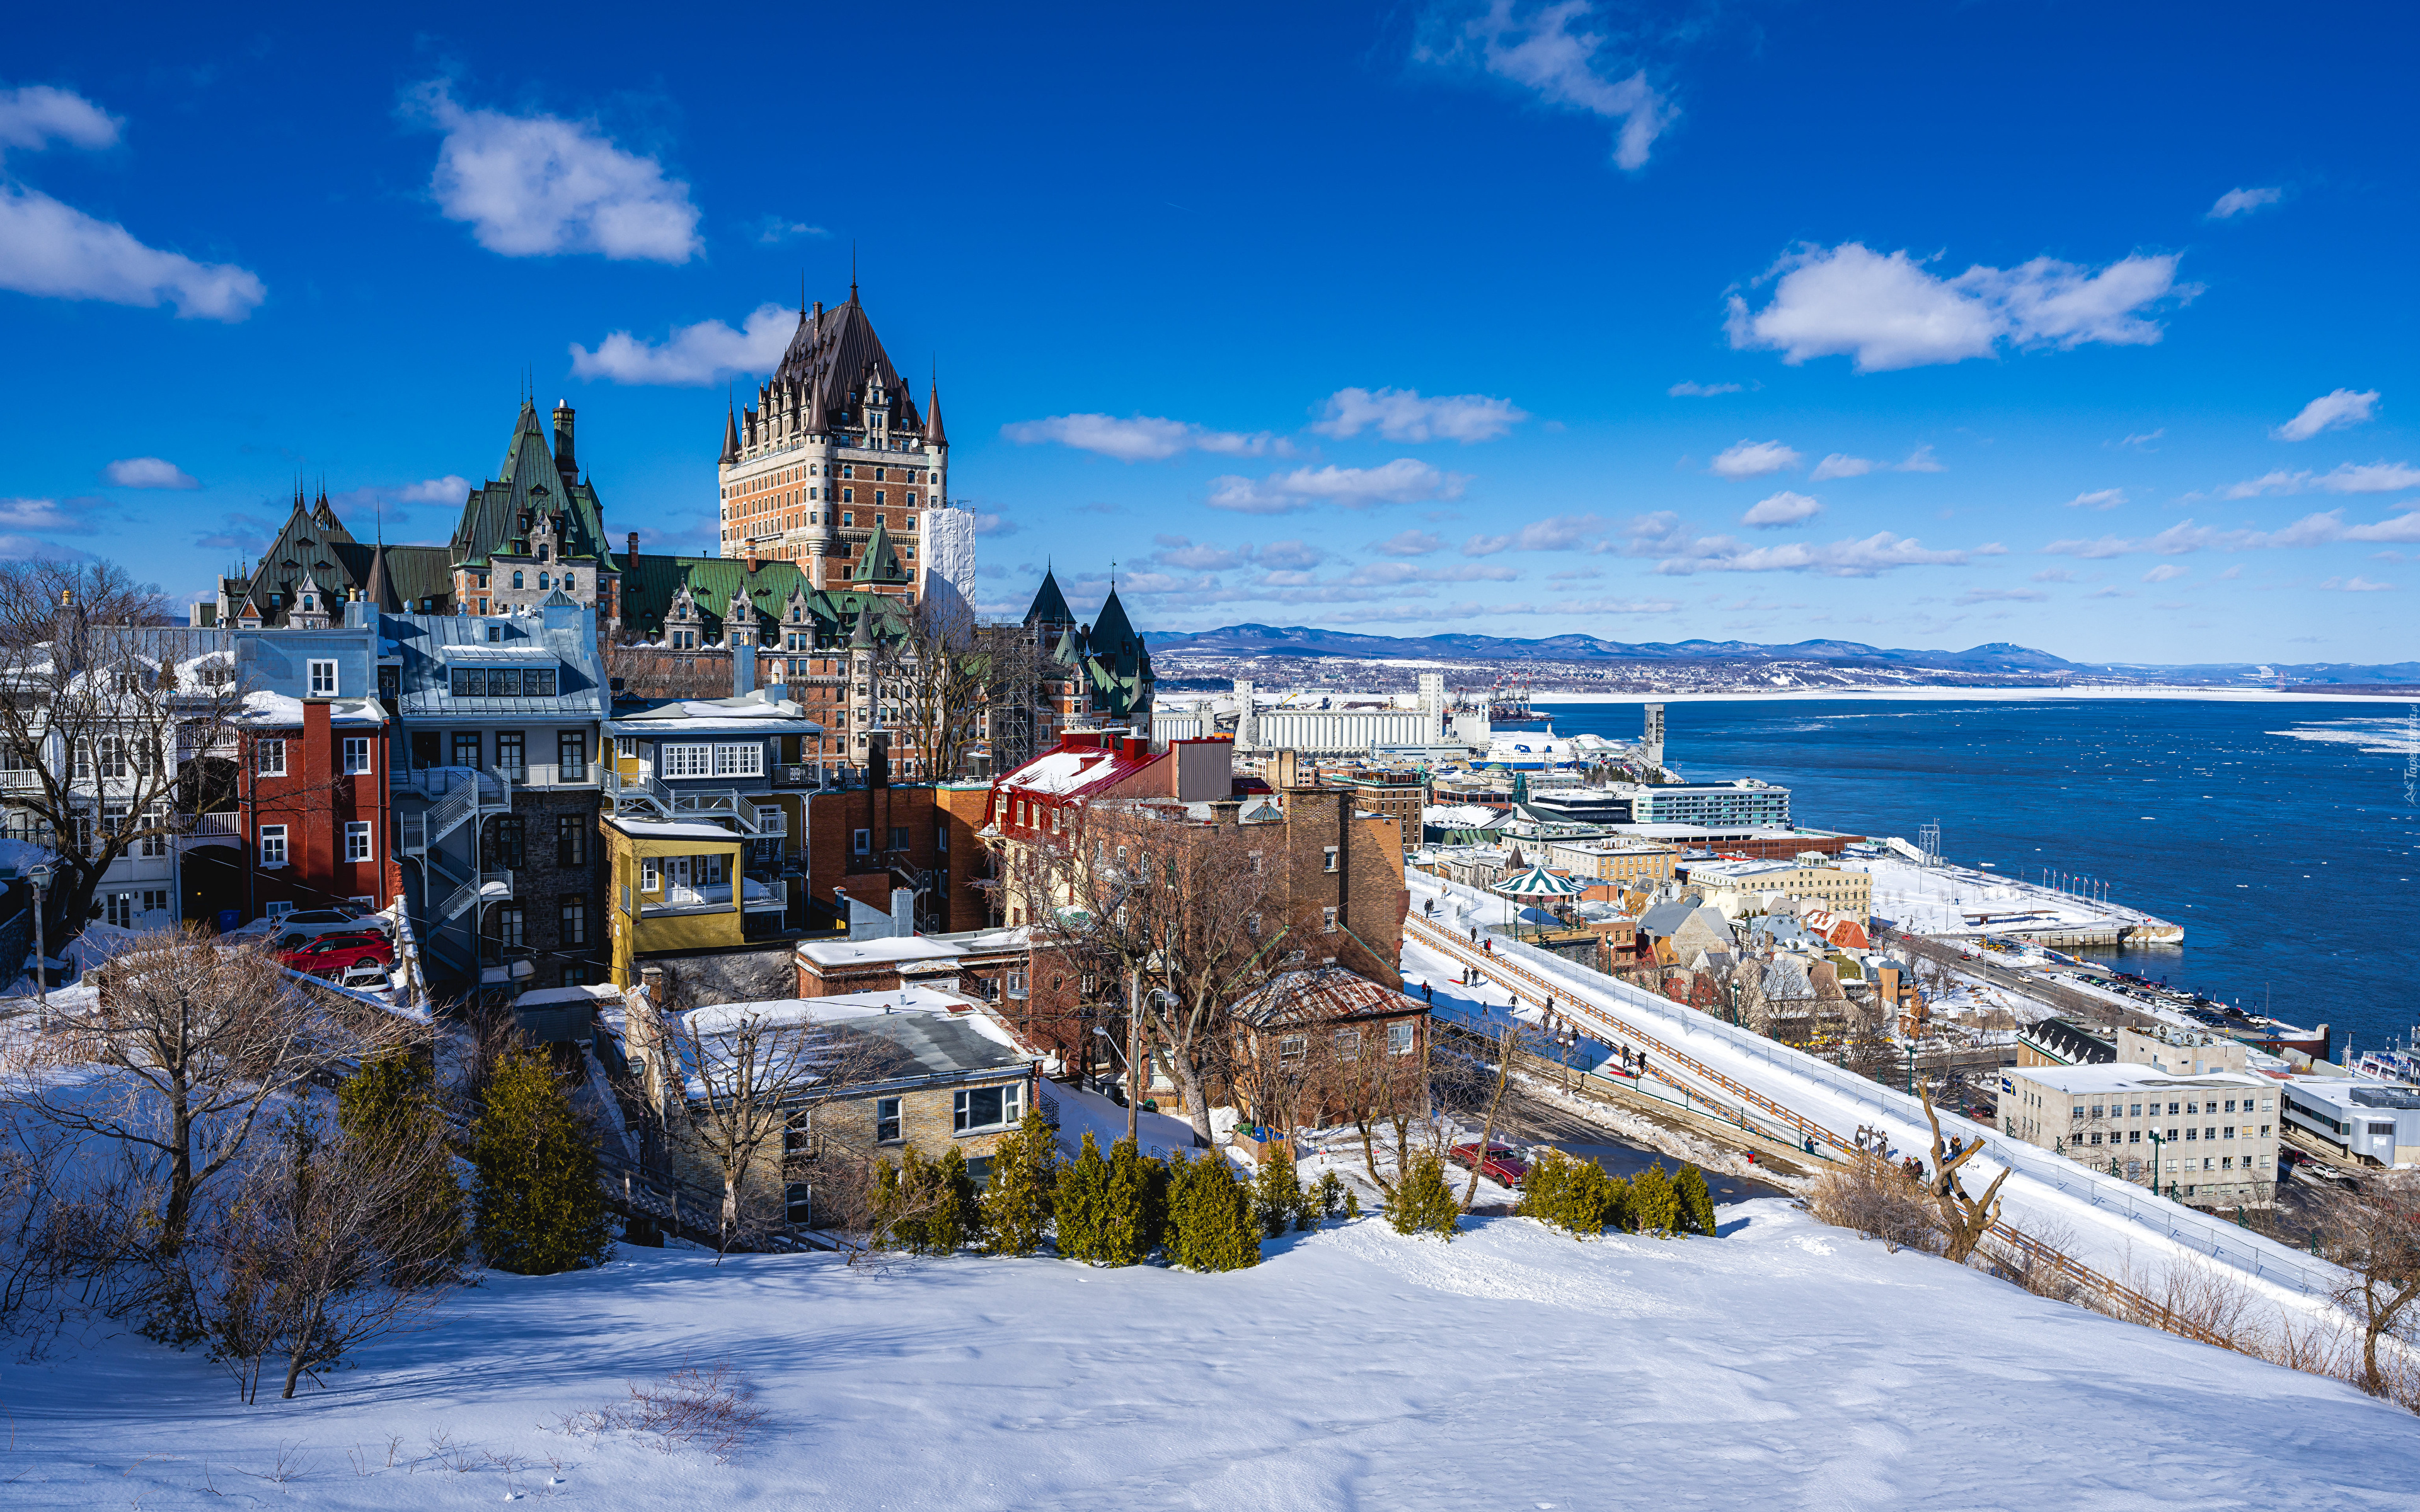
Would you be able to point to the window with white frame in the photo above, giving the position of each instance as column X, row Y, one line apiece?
column 155, row 899
column 357, row 755
column 1348, row 1045
column 1293, row 1048
column 272, row 844
column 1327, row 859
column 684, row 760
column 651, row 877
column 740, row 760
column 155, row 822
column 268, row 759
column 323, row 679
column 1399, row 1038
column 885, row 1120
column 357, row 839
column 279, row 909
column 1327, row 920
column 978, row 1109
column 862, row 841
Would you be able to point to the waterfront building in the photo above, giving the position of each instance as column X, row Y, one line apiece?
column 2365, row 1122
column 1747, row 801
column 2210, row 1139
column 1808, row 880
column 1613, row 860
column 1398, row 795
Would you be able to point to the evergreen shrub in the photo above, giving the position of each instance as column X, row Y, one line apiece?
column 1424, row 1201
column 1277, row 1195
column 926, row 1207
column 388, row 1108
column 1655, row 1206
column 1577, row 1195
column 539, row 1208
column 1082, row 1204
column 1697, row 1204
column 1135, row 1215
column 1024, row 1174
column 1211, row 1221
column 1332, row 1195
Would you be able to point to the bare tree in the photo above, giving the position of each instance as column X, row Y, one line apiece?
column 1183, row 909
column 2373, row 1232
column 749, row 1074
column 113, row 728
column 324, row 1249
column 1964, row 1220
column 1507, row 1044
column 199, row 1039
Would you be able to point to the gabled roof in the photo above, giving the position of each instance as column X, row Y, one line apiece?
column 1321, row 994
column 529, row 483
column 829, row 356
column 651, row 583
column 1050, row 604
column 881, row 562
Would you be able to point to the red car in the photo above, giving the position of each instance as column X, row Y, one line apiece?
column 1502, row 1166
column 329, row 954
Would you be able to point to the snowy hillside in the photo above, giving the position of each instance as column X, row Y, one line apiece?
column 1785, row 1365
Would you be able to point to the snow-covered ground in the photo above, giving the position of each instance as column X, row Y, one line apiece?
column 1785, row 1365
column 1955, row 900
column 2120, row 1230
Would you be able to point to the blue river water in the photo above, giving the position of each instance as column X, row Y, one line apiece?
column 2284, row 837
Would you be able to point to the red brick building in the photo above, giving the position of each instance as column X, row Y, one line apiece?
column 313, row 799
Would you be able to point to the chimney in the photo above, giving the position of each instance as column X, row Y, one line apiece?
column 743, row 665
column 634, row 543
column 563, row 456
column 753, row 561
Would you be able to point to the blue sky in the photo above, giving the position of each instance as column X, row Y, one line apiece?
column 1919, row 324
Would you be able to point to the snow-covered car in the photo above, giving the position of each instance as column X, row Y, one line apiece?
column 1502, row 1166
column 332, row 919
column 367, row 978
column 330, row 953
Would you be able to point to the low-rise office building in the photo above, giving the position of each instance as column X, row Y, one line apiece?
column 2370, row 1123
column 1613, row 860
column 2211, row 1138
column 1807, row 879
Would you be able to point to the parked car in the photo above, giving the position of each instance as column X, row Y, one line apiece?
column 1503, row 1165
column 338, row 918
column 325, row 953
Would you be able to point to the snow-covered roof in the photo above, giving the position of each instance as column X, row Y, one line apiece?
column 858, row 953
column 279, row 711
column 2119, row 1076
column 557, row 996
column 668, row 829
column 511, row 653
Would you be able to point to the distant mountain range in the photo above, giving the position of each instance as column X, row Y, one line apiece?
column 1998, row 657
column 1304, row 641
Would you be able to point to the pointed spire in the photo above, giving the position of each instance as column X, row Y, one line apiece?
column 816, row 423
column 803, row 296
column 852, row 270
column 730, row 430
column 934, row 434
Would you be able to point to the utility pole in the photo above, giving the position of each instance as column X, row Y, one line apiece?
column 41, row 877
column 1134, row 1064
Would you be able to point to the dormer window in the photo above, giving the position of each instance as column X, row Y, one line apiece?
column 544, row 551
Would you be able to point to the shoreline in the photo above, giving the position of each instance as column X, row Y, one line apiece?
column 1950, row 695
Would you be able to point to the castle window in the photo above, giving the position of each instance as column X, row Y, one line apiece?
column 566, row 582
column 847, row 496
column 847, row 471
column 877, row 474
column 877, row 497
column 542, row 551
column 541, row 580
column 516, row 577
column 848, row 517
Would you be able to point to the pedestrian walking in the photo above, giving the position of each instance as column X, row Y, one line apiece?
column 1428, row 992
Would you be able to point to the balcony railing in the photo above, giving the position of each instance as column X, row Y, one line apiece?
column 224, row 822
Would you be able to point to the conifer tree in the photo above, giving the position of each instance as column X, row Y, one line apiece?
column 1332, row 1195
column 1024, row 1173
column 1277, row 1194
column 1211, row 1223
column 1423, row 1202
column 539, row 1209
column 1081, row 1203
column 1655, row 1206
column 1135, row 1212
column 1697, row 1204
column 388, row 1111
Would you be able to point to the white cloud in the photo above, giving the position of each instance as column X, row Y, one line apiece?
column 449, row 490
column 1138, row 437
column 1402, row 415
column 2237, row 202
column 1753, row 459
column 2098, row 499
column 2185, row 536
column 1890, row 313
column 51, row 250
column 1410, row 544
column 2165, row 572
column 706, row 352
column 148, row 472
column 34, row 548
column 532, row 186
column 1665, row 537
column 43, row 515
column 776, row 228
column 2053, row 575
column 1784, row 508
column 2003, row 595
column 2143, row 442
column 1404, row 481
column 1838, row 466
column 2356, row 585
column 1540, row 51
column 37, row 115
column 995, row 525
column 1556, row 533
column 1685, row 390
column 2329, row 411
column 2375, row 477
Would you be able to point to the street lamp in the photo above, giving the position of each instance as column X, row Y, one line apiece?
column 41, row 877
column 1911, row 1068
column 2155, row 1161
